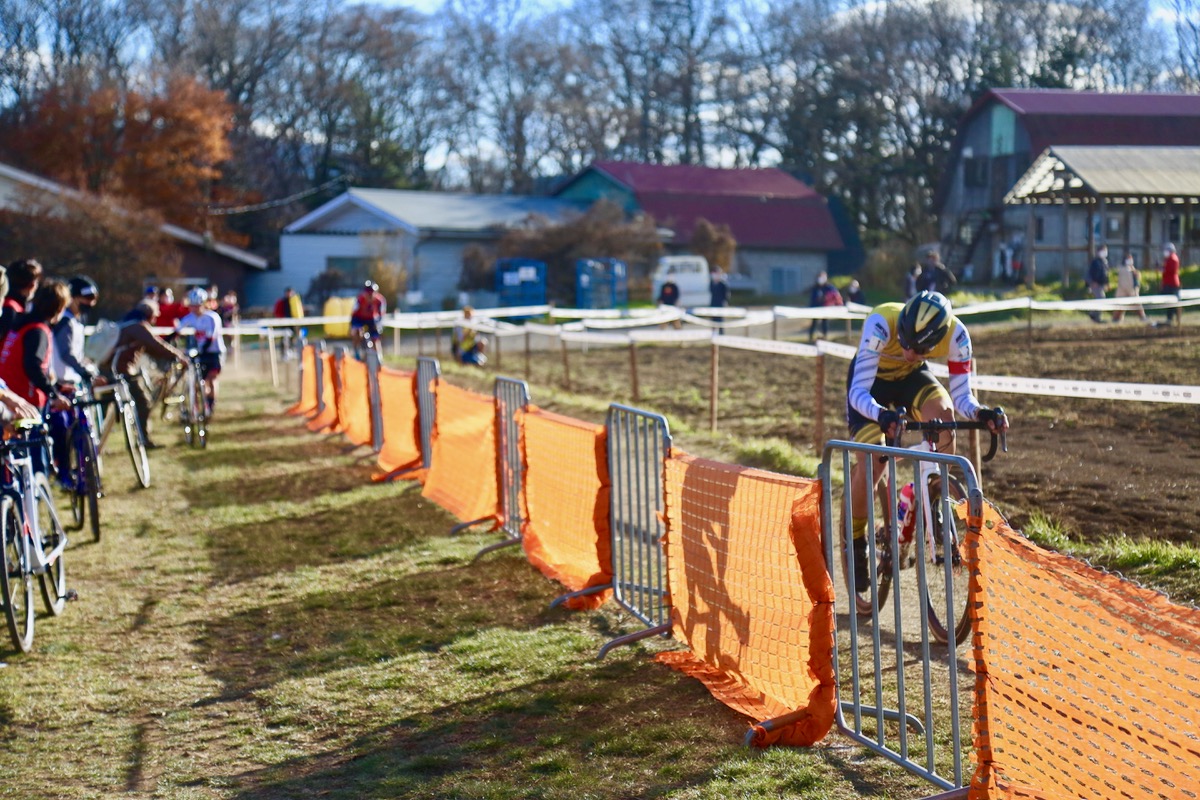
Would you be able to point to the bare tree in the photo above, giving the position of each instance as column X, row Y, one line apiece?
column 1187, row 32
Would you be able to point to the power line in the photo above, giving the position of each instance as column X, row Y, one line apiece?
column 226, row 212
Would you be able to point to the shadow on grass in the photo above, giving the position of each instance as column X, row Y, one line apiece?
column 296, row 487
column 338, row 629
column 580, row 732
column 320, row 538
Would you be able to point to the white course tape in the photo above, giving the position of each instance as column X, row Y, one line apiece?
column 671, row 337
column 750, row 320
column 604, row 313
column 1095, row 390
column 822, row 312
column 585, row 337
column 728, row 312
column 660, row 318
column 845, row 351
column 544, row 330
column 767, row 346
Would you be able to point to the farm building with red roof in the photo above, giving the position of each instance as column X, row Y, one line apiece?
column 784, row 229
column 998, row 140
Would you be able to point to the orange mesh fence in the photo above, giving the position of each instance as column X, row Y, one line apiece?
column 308, row 386
column 354, row 404
column 566, row 498
column 463, row 476
column 750, row 593
column 401, row 435
column 329, row 395
column 1088, row 686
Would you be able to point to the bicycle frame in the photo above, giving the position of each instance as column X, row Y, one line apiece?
column 22, row 485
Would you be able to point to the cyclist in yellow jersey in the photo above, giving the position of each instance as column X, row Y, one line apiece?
column 889, row 372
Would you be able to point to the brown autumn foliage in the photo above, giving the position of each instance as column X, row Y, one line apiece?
column 715, row 242
column 603, row 232
column 159, row 150
column 116, row 247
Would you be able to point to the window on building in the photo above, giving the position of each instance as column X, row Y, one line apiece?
column 975, row 172
column 1115, row 226
column 355, row 269
column 783, row 281
column 1039, row 229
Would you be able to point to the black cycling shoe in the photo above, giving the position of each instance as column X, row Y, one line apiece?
column 862, row 572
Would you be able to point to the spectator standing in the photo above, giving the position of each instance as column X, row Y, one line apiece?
column 228, row 308
column 855, row 294
column 718, row 291
column 822, row 295
column 289, row 307
column 1097, row 278
column 935, row 276
column 668, row 295
column 1171, row 283
column 168, row 310
column 1129, row 284
column 910, row 282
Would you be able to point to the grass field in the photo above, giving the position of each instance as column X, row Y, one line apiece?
column 267, row 623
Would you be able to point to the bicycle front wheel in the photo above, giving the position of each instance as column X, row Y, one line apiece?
column 91, row 482
column 947, row 594
column 15, row 580
column 137, row 448
column 54, row 580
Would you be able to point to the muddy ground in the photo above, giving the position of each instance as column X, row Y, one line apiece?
column 1102, row 468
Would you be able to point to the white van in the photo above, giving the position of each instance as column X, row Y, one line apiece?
column 690, row 274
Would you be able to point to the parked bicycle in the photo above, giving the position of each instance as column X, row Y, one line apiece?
column 120, row 406
column 33, row 538
column 926, row 517
column 83, row 467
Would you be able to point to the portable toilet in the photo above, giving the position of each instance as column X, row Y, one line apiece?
column 601, row 283
column 521, row 282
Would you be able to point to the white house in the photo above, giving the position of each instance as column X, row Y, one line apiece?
column 425, row 232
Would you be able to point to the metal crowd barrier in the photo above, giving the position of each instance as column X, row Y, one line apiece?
column 375, row 399
column 428, row 371
column 888, row 649
column 320, row 370
column 638, row 444
column 512, row 397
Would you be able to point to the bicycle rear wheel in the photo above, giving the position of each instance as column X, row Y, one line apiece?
column 75, row 470
column 15, row 580
column 54, row 580
column 133, row 440
column 937, row 587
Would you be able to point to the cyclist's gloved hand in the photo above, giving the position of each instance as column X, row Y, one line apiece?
column 889, row 423
column 995, row 418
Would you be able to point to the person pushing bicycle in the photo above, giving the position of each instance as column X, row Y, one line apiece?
column 889, row 372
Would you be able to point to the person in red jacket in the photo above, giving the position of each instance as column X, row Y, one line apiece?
column 25, row 360
column 23, row 277
column 1170, row 281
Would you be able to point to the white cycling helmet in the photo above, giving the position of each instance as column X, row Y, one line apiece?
column 197, row 297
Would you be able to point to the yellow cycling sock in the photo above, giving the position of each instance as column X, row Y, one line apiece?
column 858, row 526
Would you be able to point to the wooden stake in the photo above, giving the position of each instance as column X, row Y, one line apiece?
column 633, row 371
column 527, row 354
column 713, row 388
column 566, row 366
